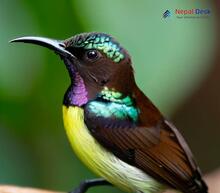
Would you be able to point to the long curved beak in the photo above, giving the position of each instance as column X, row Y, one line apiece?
column 56, row 45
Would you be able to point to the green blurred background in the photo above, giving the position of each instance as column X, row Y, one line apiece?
column 177, row 64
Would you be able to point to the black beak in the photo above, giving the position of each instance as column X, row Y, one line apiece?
column 56, row 45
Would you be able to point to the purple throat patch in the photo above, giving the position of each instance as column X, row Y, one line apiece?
column 79, row 93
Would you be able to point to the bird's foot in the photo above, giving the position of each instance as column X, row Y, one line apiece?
column 85, row 185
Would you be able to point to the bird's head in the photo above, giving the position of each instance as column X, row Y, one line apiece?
column 96, row 62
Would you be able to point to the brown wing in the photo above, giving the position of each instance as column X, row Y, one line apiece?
column 158, row 148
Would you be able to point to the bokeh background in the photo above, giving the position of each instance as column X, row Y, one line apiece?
column 177, row 64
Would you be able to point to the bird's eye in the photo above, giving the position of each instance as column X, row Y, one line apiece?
column 92, row 54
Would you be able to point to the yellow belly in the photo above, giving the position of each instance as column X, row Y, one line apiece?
column 101, row 161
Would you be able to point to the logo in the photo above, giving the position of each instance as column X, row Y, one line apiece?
column 187, row 13
column 166, row 14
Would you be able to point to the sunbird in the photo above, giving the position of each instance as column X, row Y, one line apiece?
column 113, row 127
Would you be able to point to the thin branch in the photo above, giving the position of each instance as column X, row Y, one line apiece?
column 16, row 189
column 213, row 181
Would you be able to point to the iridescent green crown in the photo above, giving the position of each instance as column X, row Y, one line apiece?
column 102, row 42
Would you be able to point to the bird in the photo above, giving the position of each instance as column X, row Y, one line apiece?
column 112, row 126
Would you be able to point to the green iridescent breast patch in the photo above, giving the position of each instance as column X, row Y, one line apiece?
column 102, row 42
column 107, row 110
column 117, row 105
